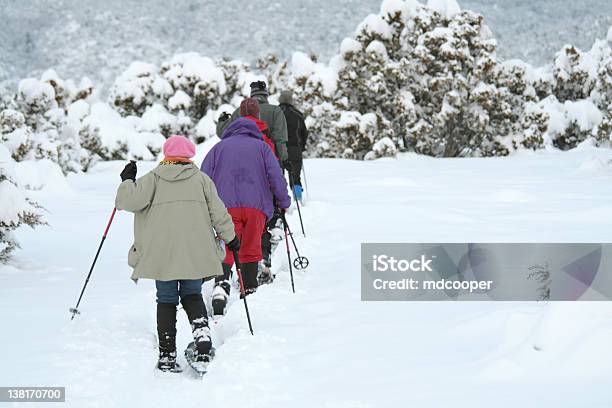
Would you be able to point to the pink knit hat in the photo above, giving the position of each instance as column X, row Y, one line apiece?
column 179, row 146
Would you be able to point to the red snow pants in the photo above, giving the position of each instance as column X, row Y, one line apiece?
column 249, row 224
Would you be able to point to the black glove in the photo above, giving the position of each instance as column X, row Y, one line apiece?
column 224, row 117
column 234, row 244
column 288, row 166
column 129, row 171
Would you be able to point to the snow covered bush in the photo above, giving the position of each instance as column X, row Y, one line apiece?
column 574, row 73
column 137, row 88
column 429, row 76
column 578, row 106
column 14, row 133
column 569, row 123
column 198, row 83
column 602, row 93
column 431, row 73
column 234, row 72
column 108, row 136
column 35, row 122
column 16, row 209
column 180, row 92
column 57, row 120
column 414, row 77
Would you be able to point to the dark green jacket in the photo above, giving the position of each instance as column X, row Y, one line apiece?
column 274, row 118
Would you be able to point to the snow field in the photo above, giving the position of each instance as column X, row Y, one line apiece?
column 323, row 346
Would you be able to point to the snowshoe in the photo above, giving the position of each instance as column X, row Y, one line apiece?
column 220, row 296
column 276, row 236
column 167, row 362
column 196, row 312
column 276, row 230
column 265, row 276
column 198, row 362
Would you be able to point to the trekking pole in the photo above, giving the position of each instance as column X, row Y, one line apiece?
column 75, row 310
column 301, row 262
column 297, row 203
column 305, row 180
column 285, row 227
column 242, row 291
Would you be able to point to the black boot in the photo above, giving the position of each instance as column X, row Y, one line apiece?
column 221, row 291
column 266, row 249
column 249, row 276
column 196, row 312
column 166, row 333
column 227, row 273
column 265, row 274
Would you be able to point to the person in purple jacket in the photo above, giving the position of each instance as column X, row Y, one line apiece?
column 248, row 178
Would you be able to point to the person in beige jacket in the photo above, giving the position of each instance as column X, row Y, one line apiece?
column 177, row 219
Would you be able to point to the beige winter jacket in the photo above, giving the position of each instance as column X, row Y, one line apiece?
column 175, row 208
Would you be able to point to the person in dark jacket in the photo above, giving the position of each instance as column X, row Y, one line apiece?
column 271, row 114
column 248, row 179
column 297, row 136
column 249, row 108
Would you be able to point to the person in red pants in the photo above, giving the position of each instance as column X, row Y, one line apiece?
column 248, row 178
column 248, row 224
column 249, row 108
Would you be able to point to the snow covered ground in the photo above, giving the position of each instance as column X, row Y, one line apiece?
column 323, row 347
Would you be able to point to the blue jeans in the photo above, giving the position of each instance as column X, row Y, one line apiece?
column 169, row 291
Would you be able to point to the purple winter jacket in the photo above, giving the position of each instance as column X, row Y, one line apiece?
column 245, row 171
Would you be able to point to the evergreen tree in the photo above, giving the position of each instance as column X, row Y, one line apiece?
column 17, row 208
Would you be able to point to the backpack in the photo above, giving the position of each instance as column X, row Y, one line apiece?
column 265, row 132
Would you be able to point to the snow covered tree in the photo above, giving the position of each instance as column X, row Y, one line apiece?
column 137, row 88
column 602, row 93
column 179, row 93
column 107, row 136
column 14, row 134
column 320, row 121
column 430, row 77
column 17, row 208
column 35, row 98
column 573, row 73
column 276, row 72
column 7, row 99
column 467, row 102
column 201, row 81
column 35, row 123
column 578, row 105
column 233, row 72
